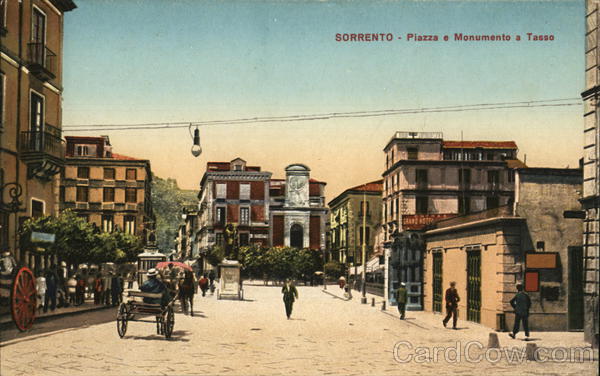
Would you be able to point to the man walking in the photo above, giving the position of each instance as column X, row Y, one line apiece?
column 521, row 304
column 452, row 300
column 401, row 299
column 290, row 294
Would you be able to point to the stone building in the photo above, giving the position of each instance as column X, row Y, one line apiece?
column 31, row 86
column 529, row 242
column 265, row 211
column 427, row 178
column 591, row 173
column 346, row 221
column 111, row 190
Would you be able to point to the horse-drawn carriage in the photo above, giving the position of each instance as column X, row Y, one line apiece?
column 178, row 281
column 17, row 292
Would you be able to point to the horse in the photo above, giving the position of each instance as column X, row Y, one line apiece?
column 187, row 289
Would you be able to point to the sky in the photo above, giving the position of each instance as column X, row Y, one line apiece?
column 130, row 62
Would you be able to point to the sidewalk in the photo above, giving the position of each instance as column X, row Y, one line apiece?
column 88, row 305
column 432, row 322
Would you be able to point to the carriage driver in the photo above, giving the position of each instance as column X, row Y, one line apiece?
column 155, row 285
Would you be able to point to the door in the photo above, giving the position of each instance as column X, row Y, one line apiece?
column 296, row 236
column 438, row 294
column 474, row 285
column 38, row 37
column 575, row 288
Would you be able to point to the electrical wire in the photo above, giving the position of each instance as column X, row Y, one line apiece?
column 325, row 116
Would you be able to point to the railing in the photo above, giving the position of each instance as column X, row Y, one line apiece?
column 45, row 142
column 42, row 61
column 502, row 211
column 419, row 135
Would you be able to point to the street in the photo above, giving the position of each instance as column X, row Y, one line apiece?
column 326, row 335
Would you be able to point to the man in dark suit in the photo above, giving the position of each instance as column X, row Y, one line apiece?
column 521, row 304
column 290, row 294
column 452, row 300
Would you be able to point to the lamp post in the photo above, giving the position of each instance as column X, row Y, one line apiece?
column 363, row 300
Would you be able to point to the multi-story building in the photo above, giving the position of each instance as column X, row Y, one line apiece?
column 265, row 211
column 346, row 221
column 591, row 172
column 111, row 190
column 530, row 242
column 427, row 178
column 31, row 145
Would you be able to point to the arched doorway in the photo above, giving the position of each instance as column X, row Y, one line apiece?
column 296, row 236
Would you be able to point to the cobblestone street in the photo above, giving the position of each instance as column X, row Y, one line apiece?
column 326, row 335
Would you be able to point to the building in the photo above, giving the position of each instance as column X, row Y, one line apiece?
column 31, row 144
column 530, row 242
column 427, row 178
column 346, row 221
column 591, row 173
column 186, row 244
column 111, row 190
column 265, row 211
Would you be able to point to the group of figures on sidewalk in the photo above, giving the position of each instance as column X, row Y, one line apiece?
column 521, row 303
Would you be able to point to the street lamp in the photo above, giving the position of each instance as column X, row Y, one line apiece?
column 196, row 148
column 363, row 300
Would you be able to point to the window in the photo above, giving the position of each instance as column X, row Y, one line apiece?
column 129, row 224
column 108, row 194
column 237, row 167
column 490, row 156
column 36, row 120
column 367, row 235
column 244, row 191
column 464, row 205
column 492, row 202
column 3, row 13
column 83, row 172
column 4, row 229
column 131, row 174
column 494, row 178
column 219, row 238
column 362, row 206
column 422, row 205
column 37, row 208
column 107, row 223
column 220, row 216
column 413, row 153
column 2, row 85
column 511, row 176
column 82, row 150
column 464, row 177
column 109, row 174
column 221, row 190
column 244, row 216
column 62, row 194
column 421, row 176
column 38, row 37
column 82, row 194
column 244, row 239
column 130, row 195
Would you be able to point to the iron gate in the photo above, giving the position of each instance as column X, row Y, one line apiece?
column 474, row 285
column 438, row 295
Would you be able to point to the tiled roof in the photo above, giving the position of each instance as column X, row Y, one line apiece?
column 374, row 186
column 122, row 157
column 515, row 163
column 480, row 144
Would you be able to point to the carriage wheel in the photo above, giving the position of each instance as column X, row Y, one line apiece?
column 122, row 316
column 23, row 299
column 169, row 323
column 159, row 325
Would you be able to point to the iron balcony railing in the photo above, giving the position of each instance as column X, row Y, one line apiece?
column 47, row 141
column 42, row 60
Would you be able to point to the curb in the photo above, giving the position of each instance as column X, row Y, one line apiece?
column 9, row 323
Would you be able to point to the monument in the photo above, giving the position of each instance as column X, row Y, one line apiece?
column 230, row 286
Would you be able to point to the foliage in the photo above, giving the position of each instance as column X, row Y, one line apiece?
column 168, row 201
column 215, row 255
column 333, row 269
column 77, row 241
column 279, row 263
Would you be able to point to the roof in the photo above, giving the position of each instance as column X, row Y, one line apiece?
column 515, row 163
column 122, row 157
column 374, row 186
column 479, row 144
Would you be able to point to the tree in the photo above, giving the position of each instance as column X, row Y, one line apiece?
column 333, row 269
column 168, row 201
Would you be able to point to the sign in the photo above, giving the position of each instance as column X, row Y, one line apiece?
column 541, row 260
column 42, row 237
column 418, row 221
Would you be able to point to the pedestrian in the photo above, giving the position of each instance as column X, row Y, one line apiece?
column 401, row 299
column 130, row 278
column 80, row 289
column 203, row 284
column 115, row 289
column 107, row 288
column 521, row 304
column 452, row 300
column 211, row 278
column 51, row 286
column 72, row 289
column 290, row 294
column 40, row 284
column 98, row 289
column 342, row 282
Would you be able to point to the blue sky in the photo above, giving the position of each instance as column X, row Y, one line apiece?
column 131, row 61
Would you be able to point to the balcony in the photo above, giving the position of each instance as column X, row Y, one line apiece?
column 41, row 61
column 43, row 152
